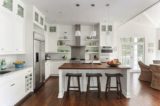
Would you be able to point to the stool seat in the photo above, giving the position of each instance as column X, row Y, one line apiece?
column 74, row 74
column 93, row 74
column 114, row 75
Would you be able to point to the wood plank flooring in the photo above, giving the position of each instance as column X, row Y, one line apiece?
column 142, row 95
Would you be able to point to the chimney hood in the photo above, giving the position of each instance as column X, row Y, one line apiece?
column 77, row 37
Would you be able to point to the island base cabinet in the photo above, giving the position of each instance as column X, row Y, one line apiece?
column 55, row 67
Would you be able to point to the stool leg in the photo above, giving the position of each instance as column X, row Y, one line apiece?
column 99, row 86
column 88, row 84
column 117, row 85
column 107, row 83
column 79, row 88
column 68, row 86
column 120, row 87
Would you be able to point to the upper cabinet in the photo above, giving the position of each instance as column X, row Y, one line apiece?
column 8, row 4
column 12, row 33
column 38, row 18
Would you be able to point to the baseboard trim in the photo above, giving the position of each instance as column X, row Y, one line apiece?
column 24, row 99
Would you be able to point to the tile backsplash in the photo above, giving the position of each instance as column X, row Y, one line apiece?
column 11, row 58
column 56, row 56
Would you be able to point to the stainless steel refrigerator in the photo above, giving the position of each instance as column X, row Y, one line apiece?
column 39, row 60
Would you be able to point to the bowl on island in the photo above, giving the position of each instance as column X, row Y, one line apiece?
column 113, row 63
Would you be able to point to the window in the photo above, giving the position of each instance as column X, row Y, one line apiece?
column 132, row 49
column 8, row 4
column 20, row 11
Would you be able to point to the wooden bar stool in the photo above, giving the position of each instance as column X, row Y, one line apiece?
column 70, row 75
column 96, row 75
column 118, row 83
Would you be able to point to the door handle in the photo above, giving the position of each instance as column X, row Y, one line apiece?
column 37, row 57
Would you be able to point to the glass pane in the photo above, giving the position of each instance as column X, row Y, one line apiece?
column 140, row 40
column 52, row 29
column 41, row 21
column 20, row 11
column 8, row 4
column 45, row 28
column 140, row 52
column 36, row 17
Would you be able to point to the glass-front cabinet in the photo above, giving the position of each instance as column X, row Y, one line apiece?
column 38, row 18
column 8, row 4
column 20, row 10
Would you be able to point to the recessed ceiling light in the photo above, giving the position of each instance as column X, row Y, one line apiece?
column 107, row 5
column 92, row 5
column 77, row 5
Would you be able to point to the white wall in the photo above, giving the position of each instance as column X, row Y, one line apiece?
column 136, row 28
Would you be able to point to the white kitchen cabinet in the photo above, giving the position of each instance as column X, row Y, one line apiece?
column 55, row 67
column 6, row 32
column 47, row 69
column 51, row 43
column 19, row 39
column 12, row 31
column 38, row 18
column 13, row 87
column 51, row 40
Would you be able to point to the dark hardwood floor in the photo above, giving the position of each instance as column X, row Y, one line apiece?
column 142, row 95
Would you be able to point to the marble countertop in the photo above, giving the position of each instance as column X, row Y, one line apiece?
column 13, row 70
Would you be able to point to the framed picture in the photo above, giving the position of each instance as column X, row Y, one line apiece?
column 52, row 29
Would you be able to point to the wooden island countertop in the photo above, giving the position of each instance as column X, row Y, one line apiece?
column 90, row 66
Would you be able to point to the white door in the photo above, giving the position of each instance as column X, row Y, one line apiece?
column 132, row 51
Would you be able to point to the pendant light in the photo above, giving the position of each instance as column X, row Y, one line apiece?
column 93, row 33
column 78, row 33
column 78, row 30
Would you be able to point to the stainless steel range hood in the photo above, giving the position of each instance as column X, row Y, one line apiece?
column 77, row 39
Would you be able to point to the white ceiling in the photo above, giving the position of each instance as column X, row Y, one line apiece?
column 65, row 11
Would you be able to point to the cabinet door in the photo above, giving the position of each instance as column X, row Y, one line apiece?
column 47, row 69
column 19, row 39
column 7, row 31
column 19, row 90
column 7, row 93
column 51, row 42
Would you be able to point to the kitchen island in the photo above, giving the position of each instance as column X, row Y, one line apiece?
column 93, row 68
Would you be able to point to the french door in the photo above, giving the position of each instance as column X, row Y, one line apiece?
column 132, row 51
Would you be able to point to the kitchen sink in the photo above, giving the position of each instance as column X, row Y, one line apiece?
column 4, row 72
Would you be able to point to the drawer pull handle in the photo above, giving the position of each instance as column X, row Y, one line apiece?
column 12, row 84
